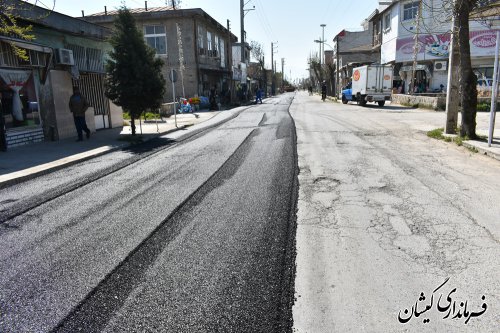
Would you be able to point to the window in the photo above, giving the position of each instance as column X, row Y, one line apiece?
column 387, row 21
column 156, row 38
column 201, row 41
column 216, row 46
column 222, row 54
column 410, row 10
column 209, row 41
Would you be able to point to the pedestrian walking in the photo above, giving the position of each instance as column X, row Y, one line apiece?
column 323, row 91
column 258, row 96
column 78, row 105
column 212, row 98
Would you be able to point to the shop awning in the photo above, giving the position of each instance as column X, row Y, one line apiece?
column 418, row 67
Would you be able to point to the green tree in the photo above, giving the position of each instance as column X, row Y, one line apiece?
column 135, row 81
column 10, row 27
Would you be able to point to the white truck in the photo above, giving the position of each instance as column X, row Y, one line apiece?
column 370, row 83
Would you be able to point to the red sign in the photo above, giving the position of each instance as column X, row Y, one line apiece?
column 356, row 75
column 387, row 77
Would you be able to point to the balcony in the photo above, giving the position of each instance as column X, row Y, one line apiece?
column 377, row 40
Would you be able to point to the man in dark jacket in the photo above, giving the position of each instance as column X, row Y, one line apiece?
column 78, row 105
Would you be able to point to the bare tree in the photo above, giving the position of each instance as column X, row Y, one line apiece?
column 463, row 11
column 316, row 68
column 257, row 52
column 467, row 78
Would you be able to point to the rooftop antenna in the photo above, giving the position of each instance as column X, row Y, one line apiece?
column 175, row 3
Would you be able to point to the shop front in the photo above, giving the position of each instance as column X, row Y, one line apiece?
column 19, row 94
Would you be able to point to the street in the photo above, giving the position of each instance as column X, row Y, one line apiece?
column 386, row 213
column 193, row 238
column 296, row 215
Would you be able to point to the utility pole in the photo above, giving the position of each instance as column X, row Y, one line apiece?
column 273, row 69
column 282, row 72
column 416, row 48
column 494, row 89
column 242, row 23
column 230, row 61
column 322, row 45
column 272, row 57
column 452, row 98
column 337, row 74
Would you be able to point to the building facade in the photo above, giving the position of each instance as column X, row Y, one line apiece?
column 418, row 31
column 189, row 41
column 65, row 52
column 351, row 49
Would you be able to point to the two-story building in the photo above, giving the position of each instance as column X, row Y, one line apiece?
column 351, row 49
column 204, row 46
column 418, row 32
column 65, row 52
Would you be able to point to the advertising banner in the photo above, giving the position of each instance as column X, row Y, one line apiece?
column 436, row 46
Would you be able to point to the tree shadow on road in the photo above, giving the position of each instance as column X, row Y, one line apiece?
column 142, row 145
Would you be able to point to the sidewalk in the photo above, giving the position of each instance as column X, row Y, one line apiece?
column 482, row 127
column 29, row 160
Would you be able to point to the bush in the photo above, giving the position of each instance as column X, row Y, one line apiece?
column 145, row 115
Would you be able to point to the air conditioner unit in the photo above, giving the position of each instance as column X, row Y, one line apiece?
column 65, row 57
column 440, row 65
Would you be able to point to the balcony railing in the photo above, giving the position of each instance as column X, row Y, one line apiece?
column 377, row 40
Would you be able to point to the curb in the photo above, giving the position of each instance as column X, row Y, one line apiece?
column 469, row 144
column 481, row 150
column 26, row 175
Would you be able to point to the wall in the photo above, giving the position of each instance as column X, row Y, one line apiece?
column 389, row 36
column 434, row 103
column 63, row 89
column 116, row 114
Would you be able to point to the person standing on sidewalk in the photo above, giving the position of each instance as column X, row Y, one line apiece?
column 78, row 105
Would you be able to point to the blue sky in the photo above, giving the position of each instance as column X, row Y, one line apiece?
column 294, row 24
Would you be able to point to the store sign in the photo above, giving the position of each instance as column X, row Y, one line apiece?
column 436, row 46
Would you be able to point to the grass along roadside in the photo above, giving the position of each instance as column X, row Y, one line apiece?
column 457, row 139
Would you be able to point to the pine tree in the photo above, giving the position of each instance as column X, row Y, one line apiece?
column 135, row 81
